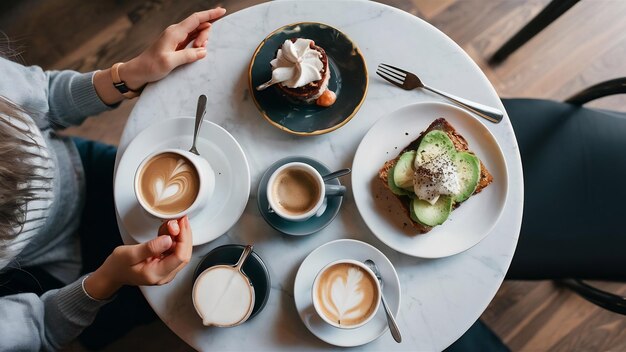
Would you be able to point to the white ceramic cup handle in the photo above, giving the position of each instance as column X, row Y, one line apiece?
column 322, row 208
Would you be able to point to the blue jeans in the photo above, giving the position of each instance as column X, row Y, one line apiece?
column 99, row 236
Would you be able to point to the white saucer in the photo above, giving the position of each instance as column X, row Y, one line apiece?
column 314, row 262
column 232, row 178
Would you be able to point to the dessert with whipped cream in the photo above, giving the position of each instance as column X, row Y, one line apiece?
column 433, row 175
column 301, row 71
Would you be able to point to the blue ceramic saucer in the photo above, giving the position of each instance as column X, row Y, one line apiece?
column 297, row 228
column 254, row 268
column 348, row 79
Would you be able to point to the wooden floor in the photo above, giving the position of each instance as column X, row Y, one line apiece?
column 585, row 46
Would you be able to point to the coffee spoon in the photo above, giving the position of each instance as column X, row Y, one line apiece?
column 200, row 111
column 391, row 321
column 336, row 174
column 271, row 82
column 242, row 259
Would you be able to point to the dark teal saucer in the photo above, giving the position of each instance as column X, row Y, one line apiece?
column 348, row 80
column 254, row 268
column 297, row 228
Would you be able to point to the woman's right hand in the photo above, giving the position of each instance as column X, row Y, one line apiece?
column 155, row 262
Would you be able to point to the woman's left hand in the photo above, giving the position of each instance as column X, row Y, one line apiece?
column 155, row 262
column 170, row 50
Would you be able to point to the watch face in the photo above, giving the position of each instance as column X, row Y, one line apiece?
column 121, row 87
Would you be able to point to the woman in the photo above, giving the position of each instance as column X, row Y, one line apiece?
column 57, row 218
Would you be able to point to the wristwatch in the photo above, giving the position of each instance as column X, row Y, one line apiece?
column 121, row 85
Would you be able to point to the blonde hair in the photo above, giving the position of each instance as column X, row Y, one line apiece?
column 16, row 172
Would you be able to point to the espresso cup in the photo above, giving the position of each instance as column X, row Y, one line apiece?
column 296, row 191
column 346, row 294
column 172, row 183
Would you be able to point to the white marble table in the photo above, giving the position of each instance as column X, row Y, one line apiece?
column 441, row 298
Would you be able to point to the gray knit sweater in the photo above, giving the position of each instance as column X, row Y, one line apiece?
column 49, row 238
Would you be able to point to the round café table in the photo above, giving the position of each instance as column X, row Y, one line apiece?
column 440, row 298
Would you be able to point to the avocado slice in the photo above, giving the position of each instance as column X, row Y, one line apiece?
column 468, row 169
column 392, row 185
column 403, row 171
column 433, row 144
column 431, row 215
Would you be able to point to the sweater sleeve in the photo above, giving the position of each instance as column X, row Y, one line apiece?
column 49, row 322
column 72, row 97
column 64, row 98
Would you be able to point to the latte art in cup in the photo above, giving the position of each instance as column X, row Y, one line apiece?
column 169, row 183
column 346, row 294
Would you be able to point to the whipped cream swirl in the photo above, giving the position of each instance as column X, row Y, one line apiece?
column 296, row 64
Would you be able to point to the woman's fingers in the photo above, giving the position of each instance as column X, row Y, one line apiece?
column 153, row 248
column 172, row 263
column 173, row 228
column 192, row 36
column 163, row 229
column 169, row 227
column 202, row 37
column 192, row 22
column 181, row 253
column 186, row 56
column 185, row 239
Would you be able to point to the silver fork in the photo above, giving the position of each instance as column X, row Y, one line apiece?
column 408, row 81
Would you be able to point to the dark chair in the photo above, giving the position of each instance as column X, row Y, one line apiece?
column 551, row 12
column 574, row 166
column 574, row 202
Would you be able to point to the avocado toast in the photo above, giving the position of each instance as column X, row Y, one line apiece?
column 431, row 208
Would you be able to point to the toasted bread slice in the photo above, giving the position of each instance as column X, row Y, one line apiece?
column 459, row 143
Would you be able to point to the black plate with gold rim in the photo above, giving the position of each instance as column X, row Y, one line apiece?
column 349, row 80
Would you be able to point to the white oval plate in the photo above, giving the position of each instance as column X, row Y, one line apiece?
column 232, row 178
column 330, row 252
column 468, row 224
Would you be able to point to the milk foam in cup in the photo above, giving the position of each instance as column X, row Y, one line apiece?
column 172, row 183
column 346, row 294
column 223, row 296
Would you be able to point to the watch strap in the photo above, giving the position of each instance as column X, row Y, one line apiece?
column 121, row 85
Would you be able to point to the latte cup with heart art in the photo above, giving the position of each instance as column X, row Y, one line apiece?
column 346, row 294
column 172, row 183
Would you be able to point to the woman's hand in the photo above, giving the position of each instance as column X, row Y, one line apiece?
column 170, row 50
column 167, row 53
column 155, row 262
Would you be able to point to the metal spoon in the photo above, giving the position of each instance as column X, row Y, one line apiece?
column 391, row 321
column 336, row 174
column 200, row 111
column 266, row 84
column 244, row 255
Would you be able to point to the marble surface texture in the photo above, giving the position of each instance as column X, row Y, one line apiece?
column 441, row 298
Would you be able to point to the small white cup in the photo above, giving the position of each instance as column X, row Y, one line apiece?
column 201, row 287
column 326, row 190
column 206, row 177
column 377, row 298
